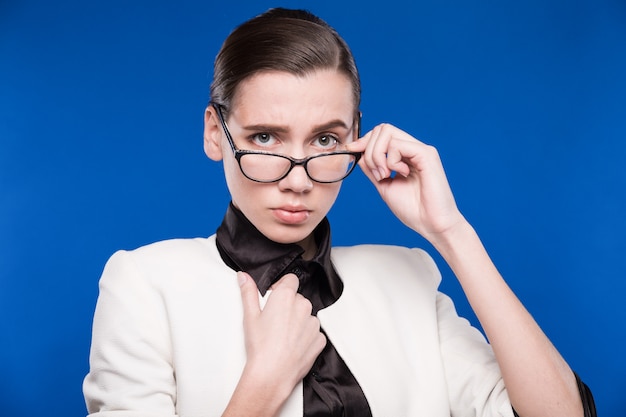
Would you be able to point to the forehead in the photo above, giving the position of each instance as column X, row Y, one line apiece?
column 282, row 96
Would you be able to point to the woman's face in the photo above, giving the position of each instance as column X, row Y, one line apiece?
column 291, row 115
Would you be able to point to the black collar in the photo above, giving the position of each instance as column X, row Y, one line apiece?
column 244, row 248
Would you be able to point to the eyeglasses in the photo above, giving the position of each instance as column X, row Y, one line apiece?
column 269, row 167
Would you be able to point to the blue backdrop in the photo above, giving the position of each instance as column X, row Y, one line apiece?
column 101, row 148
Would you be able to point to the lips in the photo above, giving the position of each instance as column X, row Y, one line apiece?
column 291, row 214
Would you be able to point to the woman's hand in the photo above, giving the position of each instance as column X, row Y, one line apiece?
column 419, row 194
column 283, row 339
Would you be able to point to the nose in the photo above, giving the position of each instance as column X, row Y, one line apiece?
column 297, row 181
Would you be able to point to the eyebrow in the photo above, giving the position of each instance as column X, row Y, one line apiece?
column 283, row 129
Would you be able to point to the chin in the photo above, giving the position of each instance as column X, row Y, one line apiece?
column 288, row 236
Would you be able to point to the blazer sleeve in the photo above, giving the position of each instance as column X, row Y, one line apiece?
column 131, row 374
column 475, row 384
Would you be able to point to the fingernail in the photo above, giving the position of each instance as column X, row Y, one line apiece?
column 241, row 278
column 376, row 174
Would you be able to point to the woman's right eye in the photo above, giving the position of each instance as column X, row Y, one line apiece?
column 263, row 139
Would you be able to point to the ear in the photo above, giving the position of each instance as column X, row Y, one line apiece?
column 212, row 135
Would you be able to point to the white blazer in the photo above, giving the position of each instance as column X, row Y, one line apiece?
column 168, row 337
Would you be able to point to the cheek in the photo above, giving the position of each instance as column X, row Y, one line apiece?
column 329, row 194
column 246, row 195
column 230, row 165
column 234, row 178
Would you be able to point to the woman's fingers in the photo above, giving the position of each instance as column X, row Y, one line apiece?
column 385, row 149
column 289, row 281
column 249, row 295
column 283, row 339
column 419, row 195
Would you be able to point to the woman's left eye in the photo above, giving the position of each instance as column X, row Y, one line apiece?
column 327, row 141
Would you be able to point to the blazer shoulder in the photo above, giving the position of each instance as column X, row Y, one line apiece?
column 182, row 249
column 163, row 260
column 392, row 262
column 175, row 248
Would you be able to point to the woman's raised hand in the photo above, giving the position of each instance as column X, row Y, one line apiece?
column 419, row 194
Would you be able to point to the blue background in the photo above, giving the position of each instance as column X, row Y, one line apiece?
column 101, row 148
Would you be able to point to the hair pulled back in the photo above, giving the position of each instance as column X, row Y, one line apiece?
column 293, row 41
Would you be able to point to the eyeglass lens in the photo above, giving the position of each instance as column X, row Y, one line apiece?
column 323, row 168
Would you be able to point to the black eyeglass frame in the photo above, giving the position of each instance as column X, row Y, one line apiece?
column 239, row 153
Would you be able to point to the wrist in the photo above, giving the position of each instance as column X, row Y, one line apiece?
column 264, row 388
column 448, row 238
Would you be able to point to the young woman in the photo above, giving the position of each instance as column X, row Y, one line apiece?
column 264, row 318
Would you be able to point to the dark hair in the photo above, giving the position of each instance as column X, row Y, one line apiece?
column 294, row 41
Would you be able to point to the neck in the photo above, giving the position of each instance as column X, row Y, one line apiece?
column 309, row 246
